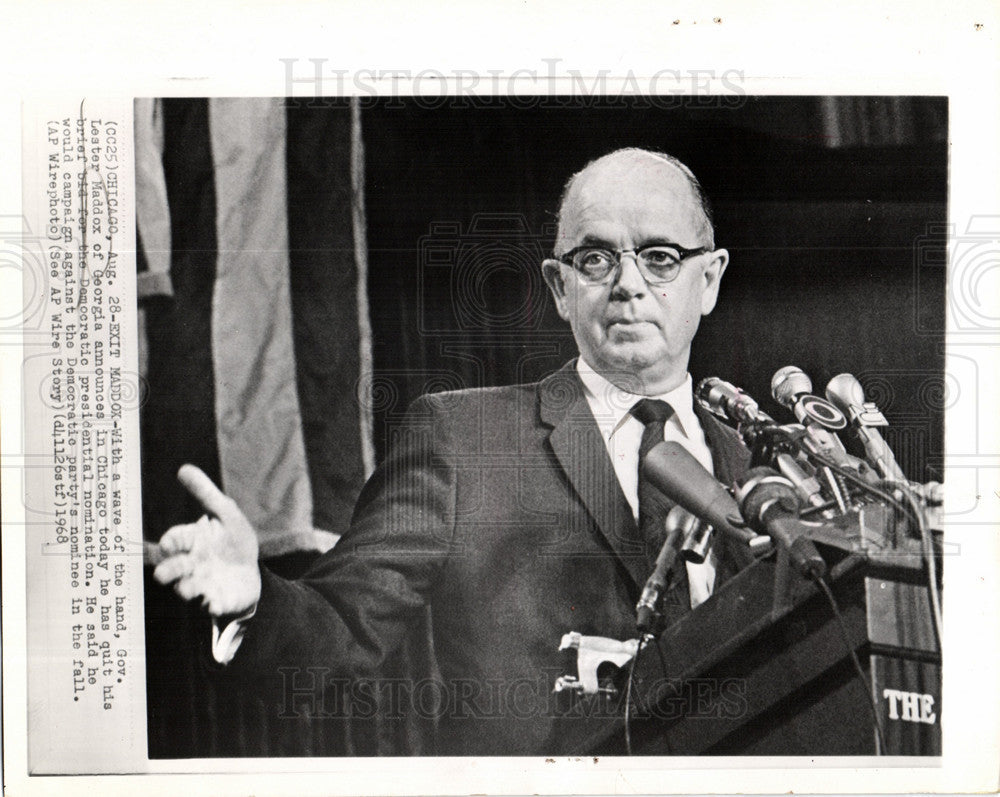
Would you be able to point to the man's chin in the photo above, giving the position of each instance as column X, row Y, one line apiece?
column 634, row 359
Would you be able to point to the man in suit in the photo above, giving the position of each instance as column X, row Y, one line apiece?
column 514, row 514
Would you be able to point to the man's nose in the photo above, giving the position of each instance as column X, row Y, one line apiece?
column 629, row 281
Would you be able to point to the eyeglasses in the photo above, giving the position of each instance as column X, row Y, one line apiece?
column 658, row 264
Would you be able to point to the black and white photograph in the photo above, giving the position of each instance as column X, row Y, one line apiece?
column 541, row 426
column 564, row 399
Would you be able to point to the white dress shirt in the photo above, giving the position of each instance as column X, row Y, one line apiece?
column 622, row 433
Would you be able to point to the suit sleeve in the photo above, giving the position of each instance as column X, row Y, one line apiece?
column 353, row 609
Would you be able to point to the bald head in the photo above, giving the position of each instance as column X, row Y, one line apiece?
column 628, row 177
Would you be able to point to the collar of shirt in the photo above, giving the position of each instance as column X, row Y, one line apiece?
column 611, row 404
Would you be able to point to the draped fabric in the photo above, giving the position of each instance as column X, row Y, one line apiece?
column 255, row 327
column 880, row 121
column 264, row 317
column 152, row 208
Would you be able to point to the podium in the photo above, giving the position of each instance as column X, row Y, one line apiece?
column 763, row 668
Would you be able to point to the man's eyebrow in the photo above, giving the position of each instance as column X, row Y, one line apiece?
column 596, row 240
column 602, row 243
column 661, row 242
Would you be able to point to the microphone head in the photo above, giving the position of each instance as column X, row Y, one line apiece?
column 789, row 382
column 844, row 391
column 707, row 394
column 727, row 401
column 759, row 488
column 680, row 521
column 697, row 544
column 684, row 480
column 847, row 395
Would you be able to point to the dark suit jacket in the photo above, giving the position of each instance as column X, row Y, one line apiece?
column 500, row 510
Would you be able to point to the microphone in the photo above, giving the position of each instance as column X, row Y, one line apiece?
column 728, row 401
column 790, row 387
column 675, row 472
column 697, row 542
column 678, row 522
column 808, row 487
column 770, row 502
column 845, row 391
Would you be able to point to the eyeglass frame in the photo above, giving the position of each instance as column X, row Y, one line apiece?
column 567, row 260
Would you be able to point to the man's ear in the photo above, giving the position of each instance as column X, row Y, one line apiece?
column 713, row 276
column 552, row 274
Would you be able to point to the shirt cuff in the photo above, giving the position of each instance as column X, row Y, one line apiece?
column 228, row 633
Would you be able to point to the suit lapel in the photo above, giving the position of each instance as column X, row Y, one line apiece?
column 577, row 443
column 729, row 455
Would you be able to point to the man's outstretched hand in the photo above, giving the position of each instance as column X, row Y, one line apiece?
column 214, row 559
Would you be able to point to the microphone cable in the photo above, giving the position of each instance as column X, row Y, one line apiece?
column 927, row 547
column 911, row 509
column 663, row 661
column 859, row 482
column 646, row 638
column 880, row 745
column 628, row 692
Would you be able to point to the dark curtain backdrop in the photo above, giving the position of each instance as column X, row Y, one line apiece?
column 833, row 216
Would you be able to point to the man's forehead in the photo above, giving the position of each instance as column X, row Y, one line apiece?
column 647, row 196
column 632, row 167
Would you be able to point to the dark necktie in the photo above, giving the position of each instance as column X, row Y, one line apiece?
column 654, row 505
